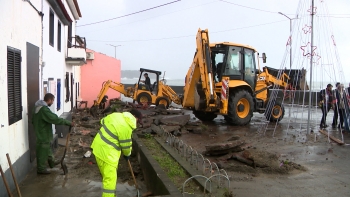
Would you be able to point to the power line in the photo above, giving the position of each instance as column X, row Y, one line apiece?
column 248, row 7
column 185, row 36
column 129, row 14
column 101, row 29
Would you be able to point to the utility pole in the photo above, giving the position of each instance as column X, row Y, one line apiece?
column 290, row 52
column 115, row 49
column 311, row 61
column 290, row 43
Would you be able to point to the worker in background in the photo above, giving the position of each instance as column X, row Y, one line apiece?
column 147, row 80
column 42, row 120
column 340, row 104
column 113, row 140
column 336, row 111
column 326, row 103
column 347, row 109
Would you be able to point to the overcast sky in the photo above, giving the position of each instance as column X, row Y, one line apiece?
column 164, row 38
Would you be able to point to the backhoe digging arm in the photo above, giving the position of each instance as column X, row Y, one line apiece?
column 199, row 86
column 115, row 86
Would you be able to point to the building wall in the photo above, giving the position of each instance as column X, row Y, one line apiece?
column 19, row 24
column 55, row 63
column 95, row 72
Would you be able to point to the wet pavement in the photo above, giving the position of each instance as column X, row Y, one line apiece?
column 326, row 162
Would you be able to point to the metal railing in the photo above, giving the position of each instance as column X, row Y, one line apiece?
column 208, row 169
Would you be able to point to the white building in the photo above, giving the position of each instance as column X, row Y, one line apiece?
column 38, row 49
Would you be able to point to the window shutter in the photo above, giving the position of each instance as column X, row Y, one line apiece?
column 14, row 89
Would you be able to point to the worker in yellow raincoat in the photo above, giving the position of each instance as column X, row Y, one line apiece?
column 113, row 139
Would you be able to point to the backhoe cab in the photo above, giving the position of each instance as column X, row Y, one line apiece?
column 157, row 92
column 224, row 79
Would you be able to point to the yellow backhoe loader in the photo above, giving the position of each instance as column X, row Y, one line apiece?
column 224, row 79
column 158, row 93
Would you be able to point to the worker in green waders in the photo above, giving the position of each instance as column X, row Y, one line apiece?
column 113, row 139
column 43, row 118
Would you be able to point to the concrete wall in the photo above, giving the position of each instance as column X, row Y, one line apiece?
column 95, row 72
column 19, row 24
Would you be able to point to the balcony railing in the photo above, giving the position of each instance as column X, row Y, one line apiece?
column 76, row 52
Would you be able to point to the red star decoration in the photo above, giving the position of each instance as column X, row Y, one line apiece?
column 333, row 40
column 312, row 10
column 289, row 41
column 307, row 53
column 307, row 29
column 316, row 59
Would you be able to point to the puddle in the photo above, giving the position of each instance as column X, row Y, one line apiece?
column 123, row 189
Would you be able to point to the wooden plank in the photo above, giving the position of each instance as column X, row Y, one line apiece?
column 332, row 137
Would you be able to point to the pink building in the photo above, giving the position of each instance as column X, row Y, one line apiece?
column 99, row 68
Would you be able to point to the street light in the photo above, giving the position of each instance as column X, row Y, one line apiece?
column 115, row 49
column 290, row 44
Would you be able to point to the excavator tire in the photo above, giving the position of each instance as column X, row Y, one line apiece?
column 275, row 113
column 204, row 116
column 240, row 108
column 144, row 98
column 163, row 101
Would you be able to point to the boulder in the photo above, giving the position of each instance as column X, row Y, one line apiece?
column 180, row 120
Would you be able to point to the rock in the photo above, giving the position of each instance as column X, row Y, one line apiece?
column 156, row 129
column 223, row 148
column 146, row 122
column 91, row 122
column 195, row 129
column 161, row 106
column 235, row 137
column 170, row 128
column 194, row 123
column 177, row 133
column 148, row 130
column 87, row 126
column 156, row 121
column 86, row 118
column 184, row 131
column 169, row 111
column 180, row 120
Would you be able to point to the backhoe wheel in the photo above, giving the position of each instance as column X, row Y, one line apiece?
column 275, row 113
column 94, row 110
column 163, row 101
column 240, row 108
column 204, row 116
column 144, row 98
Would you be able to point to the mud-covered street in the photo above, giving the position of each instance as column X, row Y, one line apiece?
column 261, row 159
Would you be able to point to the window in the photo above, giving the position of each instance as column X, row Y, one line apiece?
column 69, row 41
column 233, row 66
column 67, row 87
column 249, row 65
column 14, row 90
column 51, row 28
column 59, row 36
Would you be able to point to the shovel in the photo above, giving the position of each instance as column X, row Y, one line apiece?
column 133, row 176
column 63, row 164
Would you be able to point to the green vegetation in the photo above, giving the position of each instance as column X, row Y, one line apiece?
column 172, row 168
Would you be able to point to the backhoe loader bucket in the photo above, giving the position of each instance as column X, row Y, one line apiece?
column 93, row 110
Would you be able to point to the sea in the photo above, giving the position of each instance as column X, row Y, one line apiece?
column 316, row 85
